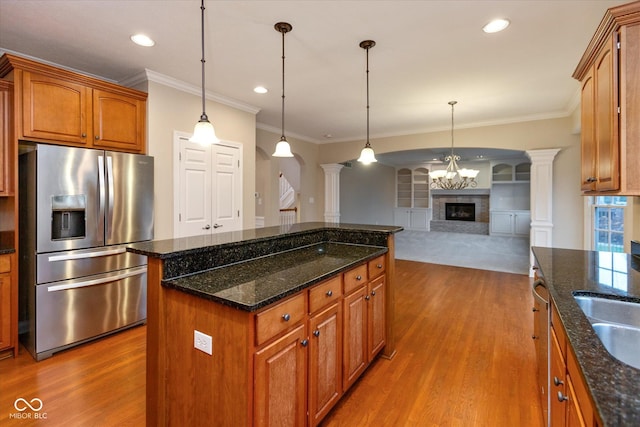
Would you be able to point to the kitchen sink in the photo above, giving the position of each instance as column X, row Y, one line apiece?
column 617, row 324
column 623, row 342
column 610, row 310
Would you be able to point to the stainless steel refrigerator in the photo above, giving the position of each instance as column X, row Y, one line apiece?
column 78, row 210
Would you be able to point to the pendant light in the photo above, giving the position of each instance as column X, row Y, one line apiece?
column 282, row 147
column 367, row 155
column 203, row 132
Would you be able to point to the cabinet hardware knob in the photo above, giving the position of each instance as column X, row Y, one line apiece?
column 557, row 382
column 535, row 337
column 304, row 343
column 379, row 265
column 97, row 137
column 84, row 135
column 358, row 277
column 329, row 293
column 592, row 179
column 316, row 333
column 562, row 397
column 206, row 227
column 373, row 293
column 367, row 297
column 534, row 309
column 286, row 317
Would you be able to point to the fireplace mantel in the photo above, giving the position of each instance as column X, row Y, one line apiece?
column 465, row 192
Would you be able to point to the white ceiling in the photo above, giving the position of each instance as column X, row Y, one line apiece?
column 427, row 53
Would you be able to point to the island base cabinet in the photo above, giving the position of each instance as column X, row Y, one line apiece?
column 325, row 362
column 280, row 381
column 355, row 336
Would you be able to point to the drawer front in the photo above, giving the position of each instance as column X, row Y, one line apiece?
column 355, row 278
column 5, row 263
column 279, row 318
column 376, row 266
column 325, row 293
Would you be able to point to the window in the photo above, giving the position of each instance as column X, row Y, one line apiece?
column 608, row 224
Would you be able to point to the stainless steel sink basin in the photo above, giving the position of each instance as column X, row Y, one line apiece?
column 617, row 324
column 610, row 310
column 623, row 342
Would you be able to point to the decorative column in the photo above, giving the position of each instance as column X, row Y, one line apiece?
column 541, row 198
column 332, row 192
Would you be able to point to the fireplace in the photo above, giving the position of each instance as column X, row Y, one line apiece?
column 460, row 211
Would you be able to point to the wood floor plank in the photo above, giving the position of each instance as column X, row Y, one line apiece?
column 464, row 358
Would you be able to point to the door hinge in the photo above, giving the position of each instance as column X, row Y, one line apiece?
column 618, row 110
column 618, row 45
column 238, row 214
column 238, row 163
column 179, row 217
column 179, row 157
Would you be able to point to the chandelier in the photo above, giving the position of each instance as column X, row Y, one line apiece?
column 453, row 178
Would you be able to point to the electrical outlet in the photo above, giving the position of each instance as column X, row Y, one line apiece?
column 202, row 342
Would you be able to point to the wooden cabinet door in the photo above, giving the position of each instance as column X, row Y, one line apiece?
column 376, row 317
column 588, row 137
column 354, row 336
column 5, row 311
column 280, row 381
column 55, row 110
column 574, row 415
column 5, row 158
column 325, row 362
column 606, row 118
column 557, row 382
column 118, row 122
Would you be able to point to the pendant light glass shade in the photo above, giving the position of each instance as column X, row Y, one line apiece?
column 283, row 149
column 367, row 156
column 203, row 132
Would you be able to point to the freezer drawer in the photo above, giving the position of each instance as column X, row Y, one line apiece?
column 72, row 311
column 57, row 266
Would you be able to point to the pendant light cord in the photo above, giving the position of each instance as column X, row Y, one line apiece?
column 452, row 103
column 367, row 144
column 204, row 114
column 282, row 138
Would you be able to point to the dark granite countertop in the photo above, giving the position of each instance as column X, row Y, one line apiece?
column 614, row 386
column 256, row 283
column 171, row 248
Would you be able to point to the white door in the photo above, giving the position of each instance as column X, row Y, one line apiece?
column 208, row 191
column 227, row 191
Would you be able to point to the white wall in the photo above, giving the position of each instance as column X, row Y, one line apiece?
column 170, row 109
column 367, row 194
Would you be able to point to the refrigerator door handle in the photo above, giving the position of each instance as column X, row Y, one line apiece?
column 63, row 287
column 101, row 196
column 109, row 218
column 67, row 257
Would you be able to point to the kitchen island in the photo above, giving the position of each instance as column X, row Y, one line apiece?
column 248, row 327
column 613, row 387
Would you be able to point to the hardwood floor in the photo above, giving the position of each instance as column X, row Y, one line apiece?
column 464, row 358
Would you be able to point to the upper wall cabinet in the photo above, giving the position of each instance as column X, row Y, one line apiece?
column 58, row 106
column 412, row 188
column 510, row 172
column 6, row 149
column 610, row 88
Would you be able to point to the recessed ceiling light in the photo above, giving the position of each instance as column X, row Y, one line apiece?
column 260, row 89
column 142, row 40
column 496, row 25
